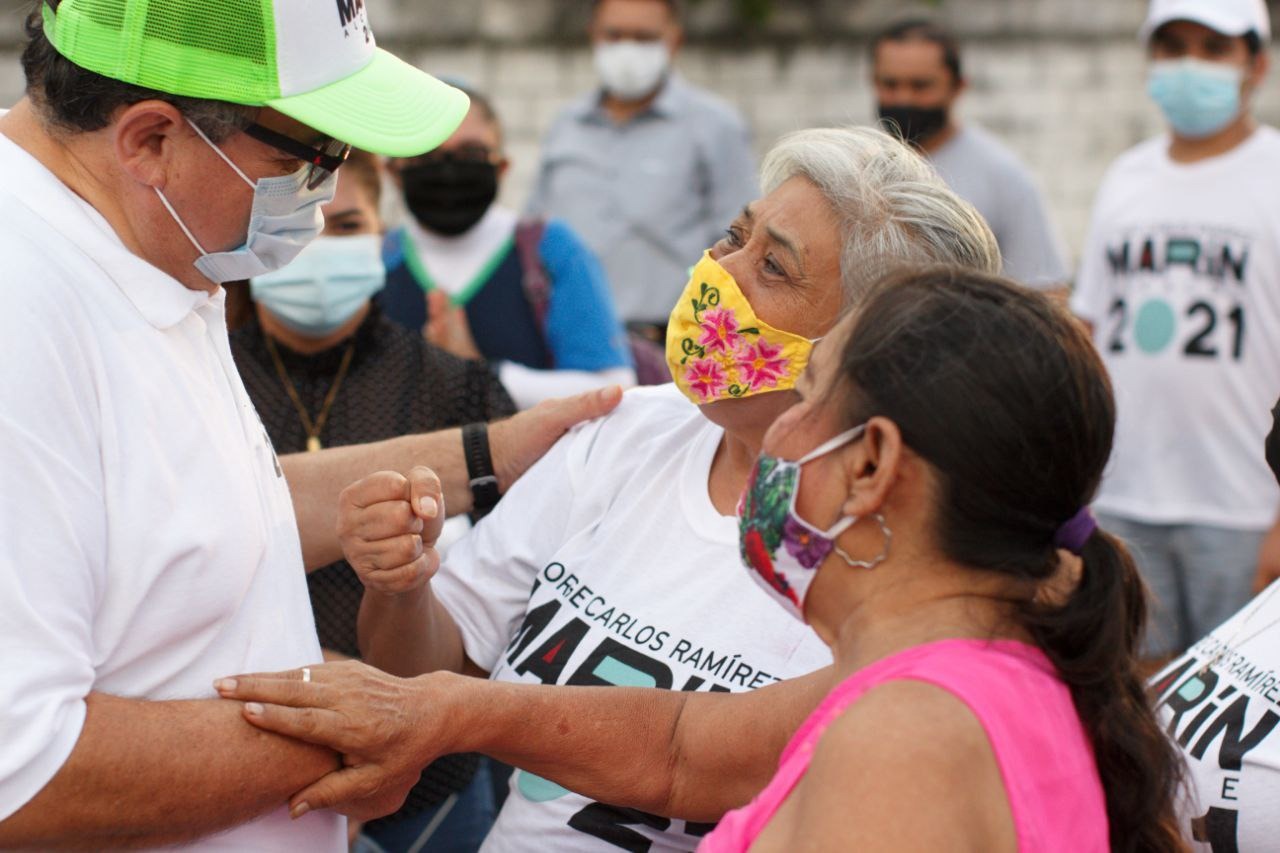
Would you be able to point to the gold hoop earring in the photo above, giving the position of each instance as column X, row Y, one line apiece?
column 884, row 552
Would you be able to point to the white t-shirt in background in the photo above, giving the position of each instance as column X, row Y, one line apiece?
column 1226, row 719
column 147, row 538
column 607, row 563
column 1181, row 281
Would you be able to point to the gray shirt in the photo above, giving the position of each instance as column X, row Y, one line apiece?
column 648, row 196
column 983, row 172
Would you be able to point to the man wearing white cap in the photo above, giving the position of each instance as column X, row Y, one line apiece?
column 1180, row 281
column 148, row 540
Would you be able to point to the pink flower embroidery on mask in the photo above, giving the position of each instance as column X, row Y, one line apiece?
column 706, row 378
column 762, row 364
column 720, row 330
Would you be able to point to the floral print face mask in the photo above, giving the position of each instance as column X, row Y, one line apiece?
column 782, row 550
column 717, row 349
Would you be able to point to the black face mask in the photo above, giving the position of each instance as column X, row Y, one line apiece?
column 1273, row 443
column 448, row 195
column 914, row 124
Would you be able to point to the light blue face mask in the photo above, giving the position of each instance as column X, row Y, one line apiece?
column 1197, row 98
column 325, row 285
column 285, row 217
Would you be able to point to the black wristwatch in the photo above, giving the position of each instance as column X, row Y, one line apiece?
column 484, row 485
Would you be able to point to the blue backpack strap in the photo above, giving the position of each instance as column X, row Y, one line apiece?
column 649, row 357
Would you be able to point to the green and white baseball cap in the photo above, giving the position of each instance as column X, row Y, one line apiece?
column 313, row 60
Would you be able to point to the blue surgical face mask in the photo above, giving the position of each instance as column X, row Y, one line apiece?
column 1198, row 98
column 285, row 217
column 325, row 285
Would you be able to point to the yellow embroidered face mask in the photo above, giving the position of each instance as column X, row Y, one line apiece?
column 717, row 349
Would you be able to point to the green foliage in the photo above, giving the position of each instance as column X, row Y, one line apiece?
column 754, row 11
column 751, row 12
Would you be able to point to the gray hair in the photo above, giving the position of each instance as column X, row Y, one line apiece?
column 70, row 100
column 894, row 208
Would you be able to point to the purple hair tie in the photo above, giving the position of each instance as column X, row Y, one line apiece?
column 1075, row 531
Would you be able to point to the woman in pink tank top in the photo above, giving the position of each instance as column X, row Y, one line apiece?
column 983, row 694
column 984, row 627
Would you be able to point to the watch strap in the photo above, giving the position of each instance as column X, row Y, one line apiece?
column 483, row 482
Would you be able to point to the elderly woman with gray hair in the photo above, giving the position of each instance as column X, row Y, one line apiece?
column 614, row 561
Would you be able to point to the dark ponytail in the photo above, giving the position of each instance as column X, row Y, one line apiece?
column 1092, row 639
column 1003, row 394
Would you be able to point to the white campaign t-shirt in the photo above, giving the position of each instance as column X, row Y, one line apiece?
column 608, row 564
column 1181, row 281
column 1226, row 719
column 147, row 538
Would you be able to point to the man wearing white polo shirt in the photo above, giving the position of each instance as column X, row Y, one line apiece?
column 148, row 541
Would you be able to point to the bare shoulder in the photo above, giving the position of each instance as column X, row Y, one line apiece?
column 907, row 718
column 906, row 766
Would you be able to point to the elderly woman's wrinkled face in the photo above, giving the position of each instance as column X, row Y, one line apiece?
column 784, row 252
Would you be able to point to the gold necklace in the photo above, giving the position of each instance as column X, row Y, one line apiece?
column 313, row 428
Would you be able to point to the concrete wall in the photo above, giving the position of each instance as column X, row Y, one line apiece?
column 1060, row 80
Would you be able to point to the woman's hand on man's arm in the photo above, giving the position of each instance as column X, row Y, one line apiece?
column 389, row 729
column 686, row 755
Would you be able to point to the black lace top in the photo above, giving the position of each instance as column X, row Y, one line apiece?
column 397, row 384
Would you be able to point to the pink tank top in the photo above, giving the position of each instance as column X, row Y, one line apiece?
column 1040, row 745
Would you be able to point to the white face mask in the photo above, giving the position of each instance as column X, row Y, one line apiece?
column 631, row 70
column 285, row 217
column 325, row 285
